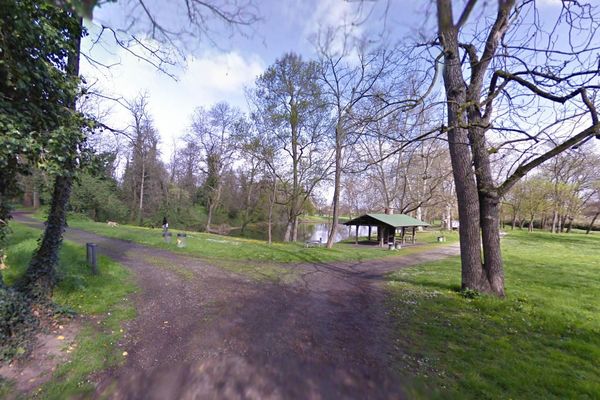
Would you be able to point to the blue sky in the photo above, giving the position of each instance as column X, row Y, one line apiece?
column 213, row 73
column 219, row 73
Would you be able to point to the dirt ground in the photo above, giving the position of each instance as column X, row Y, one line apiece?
column 214, row 334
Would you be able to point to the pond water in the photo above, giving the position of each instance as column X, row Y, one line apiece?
column 306, row 231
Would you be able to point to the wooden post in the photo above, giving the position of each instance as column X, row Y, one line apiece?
column 403, row 232
column 414, row 228
column 356, row 239
column 369, row 233
column 381, row 234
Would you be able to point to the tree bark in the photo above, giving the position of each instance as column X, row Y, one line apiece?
column 271, row 205
column 339, row 140
column 530, row 227
column 460, row 154
column 554, row 221
column 140, row 216
column 591, row 225
column 489, row 203
column 40, row 276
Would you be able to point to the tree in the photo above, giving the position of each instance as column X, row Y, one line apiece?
column 592, row 209
column 40, row 276
column 288, row 102
column 351, row 74
column 145, row 176
column 38, row 86
column 486, row 89
column 214, row 131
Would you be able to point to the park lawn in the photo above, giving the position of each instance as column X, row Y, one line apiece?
column 541, row 342
column 105, row 297
column 223, row 250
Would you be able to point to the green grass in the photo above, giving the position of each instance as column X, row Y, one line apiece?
column 104, row 296
column 224, row 250
column 541, row 342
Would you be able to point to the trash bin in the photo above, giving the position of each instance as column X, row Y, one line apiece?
column 181, row 239
column 167, row 237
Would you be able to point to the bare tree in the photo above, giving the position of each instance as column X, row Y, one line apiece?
column 288, row 102
column 495, row 75
column 214, row 132
column 143, row 168
column 352, row 70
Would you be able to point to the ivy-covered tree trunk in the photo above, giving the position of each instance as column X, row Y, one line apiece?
column 40, row 277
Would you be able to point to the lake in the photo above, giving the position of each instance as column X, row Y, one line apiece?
column 306, row 231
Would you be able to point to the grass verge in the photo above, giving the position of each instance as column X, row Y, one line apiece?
column 226, row 249
column 102, row 297
column 542, row 341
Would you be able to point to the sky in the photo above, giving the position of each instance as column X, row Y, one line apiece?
column 219, row 67
column 217, row 70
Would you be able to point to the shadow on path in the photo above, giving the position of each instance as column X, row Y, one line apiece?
column 217, row 334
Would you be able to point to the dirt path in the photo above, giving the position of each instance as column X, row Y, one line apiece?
column 216, row 334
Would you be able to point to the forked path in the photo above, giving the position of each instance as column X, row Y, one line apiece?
column 216, row 334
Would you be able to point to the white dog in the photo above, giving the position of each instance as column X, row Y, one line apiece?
column 112, row 223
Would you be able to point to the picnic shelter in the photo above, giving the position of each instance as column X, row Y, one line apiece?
column 388, row 225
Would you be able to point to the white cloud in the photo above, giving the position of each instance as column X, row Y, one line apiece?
column 205, row 80
column 335, row 14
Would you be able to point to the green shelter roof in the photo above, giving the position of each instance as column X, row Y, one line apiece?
column 394, row 220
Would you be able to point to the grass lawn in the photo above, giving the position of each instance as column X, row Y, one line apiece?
column 541, row 342
column 104, row 296
column 223, row 250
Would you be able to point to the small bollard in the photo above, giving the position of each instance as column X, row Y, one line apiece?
column 167, row 237
column 91, row 257
column 181, row 238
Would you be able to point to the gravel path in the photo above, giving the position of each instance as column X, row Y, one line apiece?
column 216, row 334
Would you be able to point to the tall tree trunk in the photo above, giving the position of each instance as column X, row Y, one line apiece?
column 560, row 228
column 420, row 217
column 554, row 220
column 530, row 227
column 291, row 233
column 36, row 197
column 339, row 140
column 272, row 199
column 460, row 154
column 489, row 203
column 295, row 229
column 40, row 277
column 140, row 216
column 591, row 225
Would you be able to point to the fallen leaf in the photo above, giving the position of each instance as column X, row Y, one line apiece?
column 125, row 354
column 60, row 337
